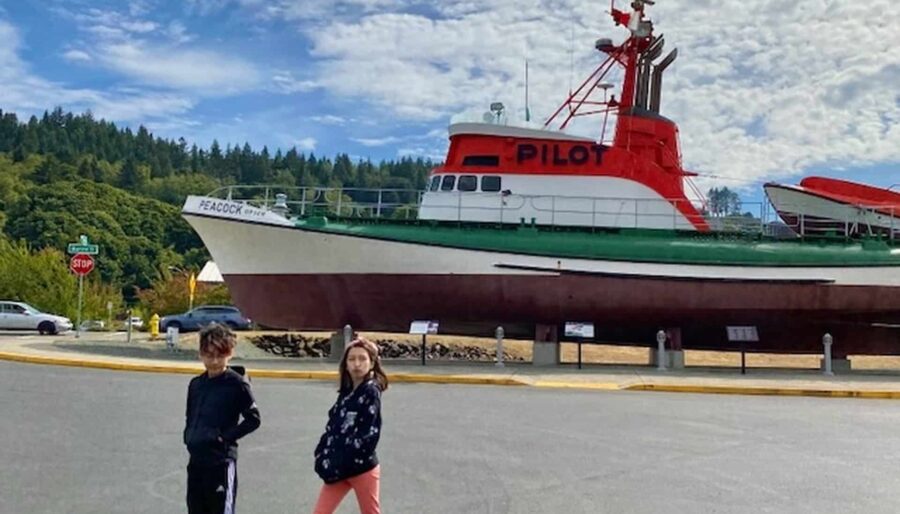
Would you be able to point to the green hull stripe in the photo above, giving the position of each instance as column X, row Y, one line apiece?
column 650, row 246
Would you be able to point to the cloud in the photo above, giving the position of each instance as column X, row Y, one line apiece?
column 140, row 27
column 23, row 91
column 76, row 56
column 317, row 10
column 759, row 93
column 207, row 7
column 306, row 144
column 329, row 119
column 106, row 32
column 370, row 142
column 286, row 83
column 177, row 33
column 431, row 153
column 156, row 55
column 202, row 70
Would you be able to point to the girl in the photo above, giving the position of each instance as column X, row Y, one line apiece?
column 345, row 455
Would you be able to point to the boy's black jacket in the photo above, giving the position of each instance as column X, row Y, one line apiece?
column 347, row 448
column 214, row 406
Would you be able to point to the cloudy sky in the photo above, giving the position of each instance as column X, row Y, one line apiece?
column 762, row 89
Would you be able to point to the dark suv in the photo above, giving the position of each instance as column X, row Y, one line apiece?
column 204, row 315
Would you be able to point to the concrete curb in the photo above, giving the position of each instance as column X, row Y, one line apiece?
column 191, row 369
column 766, row 391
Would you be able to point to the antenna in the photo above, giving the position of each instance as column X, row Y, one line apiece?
column 605, row 86
column 571, row 55
column 497, row 109
column 527, row 110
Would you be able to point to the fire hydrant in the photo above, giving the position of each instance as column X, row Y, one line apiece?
column 154, row 326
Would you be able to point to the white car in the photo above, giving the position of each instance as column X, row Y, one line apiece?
column 21, row 316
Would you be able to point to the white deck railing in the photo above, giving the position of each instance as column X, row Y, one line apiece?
column 590, row 212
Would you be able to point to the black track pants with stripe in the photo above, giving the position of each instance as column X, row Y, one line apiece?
column 212, row 489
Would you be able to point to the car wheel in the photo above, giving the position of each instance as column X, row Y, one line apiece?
column 232, row 325
column 47, row 327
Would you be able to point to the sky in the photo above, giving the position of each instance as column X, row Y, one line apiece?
column 762, row 89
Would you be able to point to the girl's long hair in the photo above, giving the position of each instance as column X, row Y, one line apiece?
column 377, row 373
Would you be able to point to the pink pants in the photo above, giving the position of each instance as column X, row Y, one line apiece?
column 365, row 486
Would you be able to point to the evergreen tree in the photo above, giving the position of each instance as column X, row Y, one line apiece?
column 216, row 161
column 133, row 177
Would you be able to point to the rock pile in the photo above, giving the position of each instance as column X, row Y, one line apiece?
column 294, row 345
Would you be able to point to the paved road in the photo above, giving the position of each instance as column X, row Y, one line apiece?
column 86, row 441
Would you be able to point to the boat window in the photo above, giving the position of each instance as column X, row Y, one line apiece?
column 490, row 183
column 448, row 183
column 481, row 160
column 467, row 183
column 435, row 183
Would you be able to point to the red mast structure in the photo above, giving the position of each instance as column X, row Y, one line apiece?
column 640, row 129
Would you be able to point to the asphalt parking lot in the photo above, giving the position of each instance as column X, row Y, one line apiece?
column 87, row 441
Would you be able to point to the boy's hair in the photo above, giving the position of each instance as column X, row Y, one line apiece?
column 217, row 338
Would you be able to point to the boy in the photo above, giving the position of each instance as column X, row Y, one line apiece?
column 215, row 401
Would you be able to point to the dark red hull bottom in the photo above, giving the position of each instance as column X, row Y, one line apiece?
column 791, row 317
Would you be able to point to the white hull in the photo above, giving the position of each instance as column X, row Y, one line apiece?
column 266, row 247
column 805, row 211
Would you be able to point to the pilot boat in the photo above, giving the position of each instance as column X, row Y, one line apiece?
column 529, row 228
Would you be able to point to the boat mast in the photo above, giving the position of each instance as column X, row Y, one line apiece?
column 630, row 54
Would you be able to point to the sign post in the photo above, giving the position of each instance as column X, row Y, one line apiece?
column 743, row 335
column 192, row 285
column 81, row 264
column 424, row 328
column 580, row 331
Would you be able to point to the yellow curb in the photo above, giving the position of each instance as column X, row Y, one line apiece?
column 159, row 368
column 766, row 391
column 455, row 379
column 98, row 364
column 460, row 379
column 601, row 386
column 261, row 373
column 294, row 374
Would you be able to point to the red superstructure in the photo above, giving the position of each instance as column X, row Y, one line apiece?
column 644, row 150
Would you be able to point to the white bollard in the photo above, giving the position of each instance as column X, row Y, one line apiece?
column 661, row 350
column 348, row 334
column 171, row 338
column 826, row 342
column 499, row 334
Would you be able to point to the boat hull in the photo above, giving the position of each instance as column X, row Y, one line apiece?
column 809, row 211
column 790, row 317
column 290, row 277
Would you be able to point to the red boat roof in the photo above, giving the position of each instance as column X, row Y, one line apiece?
column 852, row 192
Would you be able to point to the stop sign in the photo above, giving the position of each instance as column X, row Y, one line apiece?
column 81, row 264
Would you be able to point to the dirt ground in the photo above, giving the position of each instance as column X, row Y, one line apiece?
column 606, row 353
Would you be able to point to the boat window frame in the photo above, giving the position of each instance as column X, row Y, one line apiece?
column 469, row 187
column 492, row 190
column 435, row 183
column 481, row 160
column 448, row 183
